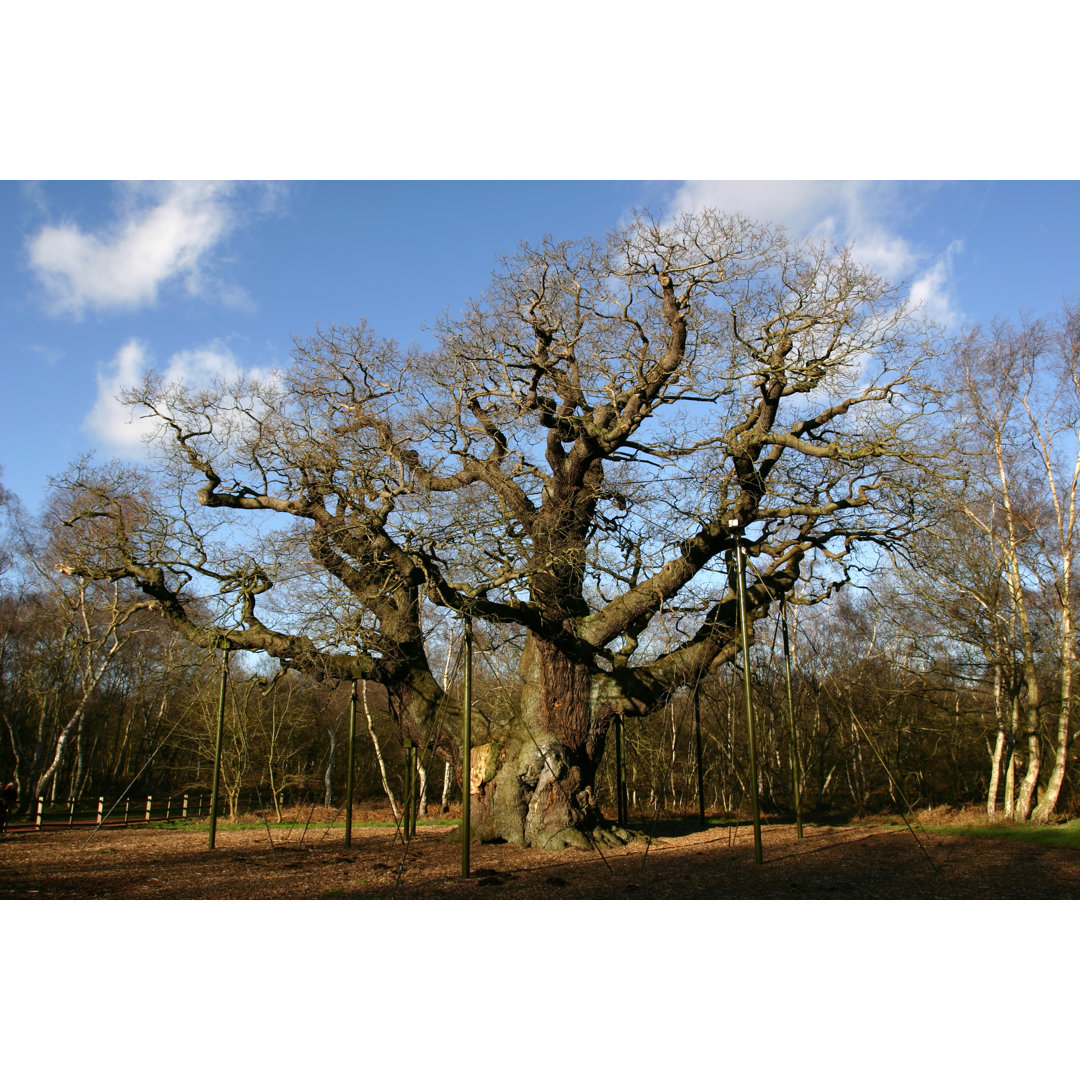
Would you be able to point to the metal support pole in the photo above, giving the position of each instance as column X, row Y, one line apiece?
column 217, row 742
column 466, row 752
column 796, row 781
column 410, row 758
column 350, row 768
column 410, row 784
column 744, row 632
column 620, row 773
column 415, row 788
column 697, row 751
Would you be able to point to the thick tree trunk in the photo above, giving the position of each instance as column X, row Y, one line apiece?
column 535, row 786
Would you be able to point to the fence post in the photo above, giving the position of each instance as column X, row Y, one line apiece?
column 149, row 801
column 168, row 807
column 40, row 810
column 100, row 809
column 127, row 811
column 183, row 808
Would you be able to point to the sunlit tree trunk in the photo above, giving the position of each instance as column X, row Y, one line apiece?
column 1009, row 810
column 328, row 776
column 1048, row 803
column 999, row 747
column 64, row 737
column 423, row 795
column 380, row 760
column 444, row 804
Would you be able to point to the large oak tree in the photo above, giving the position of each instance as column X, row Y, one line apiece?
column 573, row 462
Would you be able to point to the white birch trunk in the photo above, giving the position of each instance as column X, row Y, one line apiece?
column 378, row 750
column 1048, row 803
column 76, row 717
column 445, row 805
column 422, row 807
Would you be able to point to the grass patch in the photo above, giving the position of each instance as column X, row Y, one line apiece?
column 972, row 822
column 1053, row 836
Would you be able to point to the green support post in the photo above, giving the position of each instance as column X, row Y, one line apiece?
column 413, row 783
column 350, row 767
column 217, row 742
column 796, row 780
column 409, row 808
column 414, row 780
column 415, row 787
column 620, row 773
column 744, row 632
column 697, row 751
column 466, row 753
column 405, row 791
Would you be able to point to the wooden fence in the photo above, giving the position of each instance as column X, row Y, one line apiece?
column 122, row 812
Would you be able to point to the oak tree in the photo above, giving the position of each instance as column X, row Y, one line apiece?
column 571, row 464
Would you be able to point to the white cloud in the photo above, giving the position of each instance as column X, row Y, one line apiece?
column 867, row 215
column 108, row 420
column 113, row 424
column 801, row 205
column 163, row 233
column 930, row 292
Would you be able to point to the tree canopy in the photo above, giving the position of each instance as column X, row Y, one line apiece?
column 573, row 462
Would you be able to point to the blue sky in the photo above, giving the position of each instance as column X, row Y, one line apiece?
column 99, row 282
column 197, row 279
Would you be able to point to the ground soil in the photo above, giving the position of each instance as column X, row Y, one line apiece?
column 851, row 861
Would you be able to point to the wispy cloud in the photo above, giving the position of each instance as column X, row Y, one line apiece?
column 114, row 425
column 162, row 234
column 867, row 215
